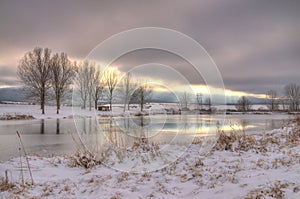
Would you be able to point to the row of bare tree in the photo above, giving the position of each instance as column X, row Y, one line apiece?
column 40, row 71
column 109, row 85
column 290, row 101
column 88, row 83
column 45, row 74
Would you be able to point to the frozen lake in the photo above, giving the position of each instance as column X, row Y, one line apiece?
column 52, row 136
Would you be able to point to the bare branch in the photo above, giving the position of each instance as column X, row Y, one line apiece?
column 34, row 71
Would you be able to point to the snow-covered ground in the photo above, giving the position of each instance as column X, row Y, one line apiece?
column 256, row 166
column 35, row 111
column 68, row 111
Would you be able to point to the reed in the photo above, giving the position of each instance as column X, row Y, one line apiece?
column 26, row 157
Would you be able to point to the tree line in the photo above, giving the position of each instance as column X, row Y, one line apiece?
column 290, row 101
column 48, row 75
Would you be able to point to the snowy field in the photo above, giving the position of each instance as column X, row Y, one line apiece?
column 50, row 111
column 68, row 111
column 255, row 166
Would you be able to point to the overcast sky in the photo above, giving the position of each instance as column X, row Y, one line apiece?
column 255, row 43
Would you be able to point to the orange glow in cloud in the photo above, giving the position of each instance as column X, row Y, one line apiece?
column 206, row 90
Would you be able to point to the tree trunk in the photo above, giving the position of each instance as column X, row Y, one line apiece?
column 96, row 104
column 57, row 126
column 142, row 103
column 84, row 103
column 57, row 106
column 57, row 103
column 90, row 104
column 110, row 101
column 43, row 102
column 125, row 102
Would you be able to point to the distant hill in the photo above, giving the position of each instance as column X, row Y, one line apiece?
column 12, row 94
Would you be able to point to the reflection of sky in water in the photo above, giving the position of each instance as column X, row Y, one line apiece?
column 52, row 136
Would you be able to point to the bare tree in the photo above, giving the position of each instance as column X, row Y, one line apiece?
column 142, row 94
column 292, row 92
column 243, row 104
column 111, row 78
column 199, row 100
column 34, row 71
column 88, row 81
column 93, row 76
column 127, row 89
column 184, row 101
column 208, row 104
column 82, row 81
column 272, row 101
column 98, row 87
column 283, row 102
column 62, row 76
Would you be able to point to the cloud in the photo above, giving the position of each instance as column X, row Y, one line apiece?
column 255, row 44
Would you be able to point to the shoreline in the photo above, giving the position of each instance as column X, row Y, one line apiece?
column 19, row 112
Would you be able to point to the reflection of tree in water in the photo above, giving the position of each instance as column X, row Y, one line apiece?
column 42, row 126
column 87, row 126
column 89, row 132
column 139, row 131
column 185, row 124
column 273, row 124
column 244, row 124
column 122, row 142
column 57, row 126
column 199, row 122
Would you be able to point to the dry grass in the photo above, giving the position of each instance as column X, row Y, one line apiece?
column 116, row 196
column 83, row 159
column 8, row 116
column 5, row 185
column 235, row 142
column 294, row 135
column 273, row 191
column 240, row 141
column 297, row 121
column 141, row 150
column 122, row 177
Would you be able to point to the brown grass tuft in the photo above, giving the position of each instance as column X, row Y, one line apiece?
column 84, row 159
column 5, row 185
column 9, row 116
column 273, row 191
column 235, row 142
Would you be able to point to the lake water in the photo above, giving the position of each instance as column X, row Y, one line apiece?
column 53, row 136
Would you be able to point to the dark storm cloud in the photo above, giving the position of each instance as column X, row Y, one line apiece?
column 255, row 44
